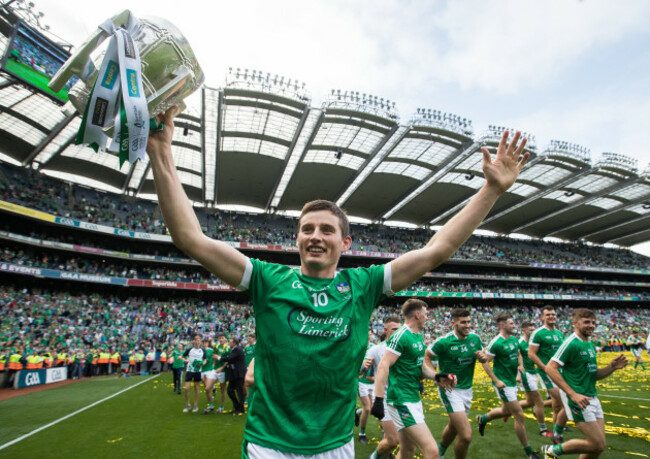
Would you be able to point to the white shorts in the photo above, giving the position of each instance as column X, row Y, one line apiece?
column 456, row 400
column 221, row 377
column 576, row 414
column 406, row 414
column 366, row 389
column 259, row 452
column 209, row 374
column 529, row 381
column 507, row 394
column 637, row 351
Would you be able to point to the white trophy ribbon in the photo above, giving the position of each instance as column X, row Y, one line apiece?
column 118, row 95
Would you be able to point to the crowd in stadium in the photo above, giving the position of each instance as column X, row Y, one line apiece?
column 33, row 190
column 45, row 322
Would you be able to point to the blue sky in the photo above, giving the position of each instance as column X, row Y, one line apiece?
column 570, row 70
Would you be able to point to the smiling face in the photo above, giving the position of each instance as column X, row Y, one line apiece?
column 549, row 318
column 585, row 326
column 462, row 326
column 320, row 243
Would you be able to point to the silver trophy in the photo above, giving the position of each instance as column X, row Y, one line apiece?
column 170, row 71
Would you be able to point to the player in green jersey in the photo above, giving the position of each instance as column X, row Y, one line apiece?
column 529, row 380
column 366, row 393
column 635, row 342
column 222, row 349
column 577, row 382
column 503, row 352
column 543, row 344
column 177, row 368
column 208, row 375
column 457, row 353
column 313, row 320
column 401, row 365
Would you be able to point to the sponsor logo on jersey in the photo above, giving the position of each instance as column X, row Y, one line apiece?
column 330, row 328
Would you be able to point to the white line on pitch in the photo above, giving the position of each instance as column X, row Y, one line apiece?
column 620, row 396
column 72, row 414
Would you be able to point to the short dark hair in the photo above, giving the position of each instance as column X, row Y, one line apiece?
column 390, row 319
column 412, row 305
column 502, row 317
column 548, row 307
column 580, row 313
column 457, row 313
column 220, row 335
column 235, row 340
column 322, row 204
column 526, row 324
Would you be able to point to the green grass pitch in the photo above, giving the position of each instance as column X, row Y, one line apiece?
column 146, row 421
column 38, row 79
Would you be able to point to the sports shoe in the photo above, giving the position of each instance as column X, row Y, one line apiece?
column 557, row 439
column 363, row 439
column 546, row 433
column 533, row 456
column 195, row 409
column 505, row 418
column 208, row 409
column 568, row 429
column 481, row 425
column 220, row 410
column 547, row 451
column 187, row 409
column 357, row 417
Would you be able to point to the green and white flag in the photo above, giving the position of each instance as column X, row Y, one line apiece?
column 118, row 96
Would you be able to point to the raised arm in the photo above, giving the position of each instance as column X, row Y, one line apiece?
column 500, row 174
column 224, row 261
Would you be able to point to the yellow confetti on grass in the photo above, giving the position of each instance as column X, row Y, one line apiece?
column 636, row 454
column 114, row 441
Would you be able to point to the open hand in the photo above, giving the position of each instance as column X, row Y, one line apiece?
column 504, row 170
column 619, row 362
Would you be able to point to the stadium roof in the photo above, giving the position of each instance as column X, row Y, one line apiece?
column 258, row 142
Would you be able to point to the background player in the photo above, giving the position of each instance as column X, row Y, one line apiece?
column 208, row 375
column 402, row 366
column 503, row 352
column 528, row 375
column 578, row 359
column 457, row 353
column 373, row 358
column 543, row 344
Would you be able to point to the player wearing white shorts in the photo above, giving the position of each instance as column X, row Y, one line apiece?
column 636, row 347
column 373, row 358
column 529, row 380
column 457, row 353
column 402, row 366
column 208, row 375
column 503, row 352
column 577, row 357
column 544, row 342
column 366, row 389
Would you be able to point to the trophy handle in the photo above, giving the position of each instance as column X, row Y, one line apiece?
column 80, row 63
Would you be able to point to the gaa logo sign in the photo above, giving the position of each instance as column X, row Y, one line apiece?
column 32, row 379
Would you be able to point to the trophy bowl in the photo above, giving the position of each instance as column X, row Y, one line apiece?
column 170, row 70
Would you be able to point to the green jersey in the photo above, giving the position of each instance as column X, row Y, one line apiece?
column 404, row 375
column 548, row 342
column 506, row 358
column 579, row 364
column 221, row 351
column 312, row 336
column 178, row 359
column 529, row 366
column 457, row 356
column 249, row 353
column 209, row 362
